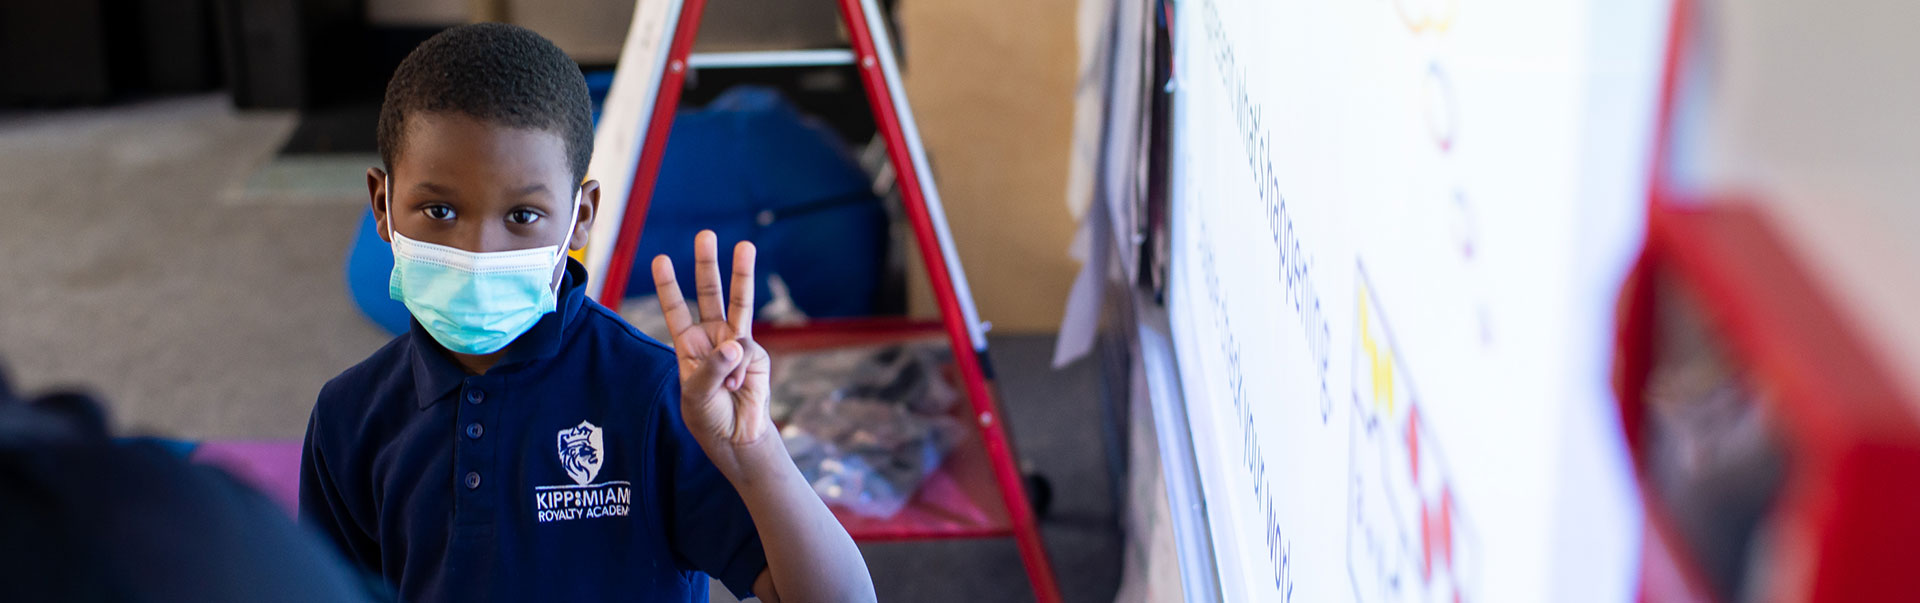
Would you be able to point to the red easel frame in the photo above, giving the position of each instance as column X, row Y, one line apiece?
column 954, row 502
column 1849, row 507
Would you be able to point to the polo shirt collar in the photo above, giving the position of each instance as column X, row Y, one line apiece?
column 436, row 374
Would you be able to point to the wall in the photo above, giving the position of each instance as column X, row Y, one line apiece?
column 1812, row 114
column 991, row 82
column 419, row 12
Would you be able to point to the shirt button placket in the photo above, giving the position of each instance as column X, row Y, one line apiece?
column 471, row 451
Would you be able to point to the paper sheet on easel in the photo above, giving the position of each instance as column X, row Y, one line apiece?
column 623, row 124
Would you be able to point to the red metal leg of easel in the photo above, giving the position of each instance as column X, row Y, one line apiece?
column 966, row 354
column 613, row 287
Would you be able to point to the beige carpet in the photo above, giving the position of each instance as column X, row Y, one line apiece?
column 134, row 263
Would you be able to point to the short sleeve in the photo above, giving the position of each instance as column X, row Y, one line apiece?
column 707, row 523
column 324, row 507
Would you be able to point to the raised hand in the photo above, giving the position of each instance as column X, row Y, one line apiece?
column 723, row 373
column 723, row 398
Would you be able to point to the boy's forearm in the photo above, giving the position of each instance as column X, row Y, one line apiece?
column 809, row 554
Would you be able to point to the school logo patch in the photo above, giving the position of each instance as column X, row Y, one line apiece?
column 580, row 452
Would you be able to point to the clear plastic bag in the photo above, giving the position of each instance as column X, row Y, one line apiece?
column 910, row 374
column 866, row 425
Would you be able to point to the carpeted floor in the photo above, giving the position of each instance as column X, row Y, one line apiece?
column 159, row 255
column 134, row 262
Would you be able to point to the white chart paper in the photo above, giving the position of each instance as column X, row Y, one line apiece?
column 1398, row 229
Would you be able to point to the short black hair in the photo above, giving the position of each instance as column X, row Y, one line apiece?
column 494, row 72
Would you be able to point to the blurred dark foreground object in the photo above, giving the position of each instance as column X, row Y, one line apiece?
column 85, row 518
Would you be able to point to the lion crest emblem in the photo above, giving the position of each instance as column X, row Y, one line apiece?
column 580, row 452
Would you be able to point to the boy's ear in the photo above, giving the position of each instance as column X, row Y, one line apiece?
column 377, row 193
column 589, row 208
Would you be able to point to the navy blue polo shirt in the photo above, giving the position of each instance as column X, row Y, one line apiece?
column 564, row 473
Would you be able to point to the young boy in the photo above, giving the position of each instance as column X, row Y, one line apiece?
column 522, row 443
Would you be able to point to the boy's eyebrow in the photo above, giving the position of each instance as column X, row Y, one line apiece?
column 531, row 189
column 433, row 188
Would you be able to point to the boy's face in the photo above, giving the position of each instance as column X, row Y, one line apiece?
column 482, row 187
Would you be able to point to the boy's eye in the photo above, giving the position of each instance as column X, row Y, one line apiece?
column 438, row 212
column 522, row 216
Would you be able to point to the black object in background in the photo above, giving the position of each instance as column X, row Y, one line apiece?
column 86, row 518
column 53, row 53
column 176, row 45
column 92, row 51
column 159, row 46
column 343, row 116
column 263, row 52
column 288, row 54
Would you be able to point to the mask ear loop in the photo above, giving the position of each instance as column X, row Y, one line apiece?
column 572, row 217
column 387, row 183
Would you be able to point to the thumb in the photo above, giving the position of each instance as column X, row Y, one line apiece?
column 709, row 370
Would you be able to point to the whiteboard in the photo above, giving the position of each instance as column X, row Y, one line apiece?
column 1398, row 230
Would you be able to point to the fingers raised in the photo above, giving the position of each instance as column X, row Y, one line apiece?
column 706, row 268
column 672, row 304
column 740, row 314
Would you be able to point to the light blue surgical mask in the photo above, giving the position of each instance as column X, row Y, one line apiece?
column 471, row 302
